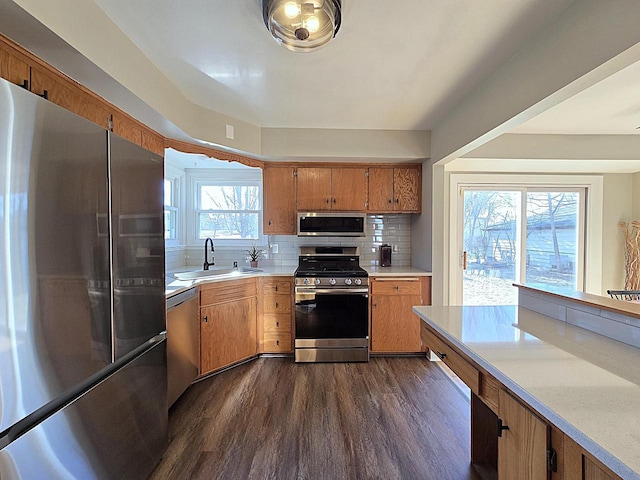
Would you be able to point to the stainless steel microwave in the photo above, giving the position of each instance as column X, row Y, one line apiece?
column 331, row 224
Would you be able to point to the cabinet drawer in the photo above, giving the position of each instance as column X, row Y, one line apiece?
column 277, row 304
column 227, row 291
column 277, row 342
column 277, row 323
column 396, row 287
column 279, row 286
column 463, row 369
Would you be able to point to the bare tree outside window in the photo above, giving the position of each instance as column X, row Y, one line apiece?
column 229, row 211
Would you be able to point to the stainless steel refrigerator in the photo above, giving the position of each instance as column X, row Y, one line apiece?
column 82, row 307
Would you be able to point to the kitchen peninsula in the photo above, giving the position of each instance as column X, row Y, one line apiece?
column 572, row 394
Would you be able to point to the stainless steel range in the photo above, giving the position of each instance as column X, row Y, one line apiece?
column 332, row 306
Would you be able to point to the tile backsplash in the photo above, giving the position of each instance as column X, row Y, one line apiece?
column 394, row 229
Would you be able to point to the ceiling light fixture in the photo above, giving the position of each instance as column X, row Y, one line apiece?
column 302, row 25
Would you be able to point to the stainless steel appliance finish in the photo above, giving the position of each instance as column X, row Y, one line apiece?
column 183, row 343
column 331, row 224
column 331, row 306
column 79, row 295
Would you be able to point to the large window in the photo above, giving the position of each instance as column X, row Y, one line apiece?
column 228, row 212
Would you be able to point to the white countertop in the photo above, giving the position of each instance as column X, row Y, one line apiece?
column 394, row 271
column 174, row 286
column 586, row 384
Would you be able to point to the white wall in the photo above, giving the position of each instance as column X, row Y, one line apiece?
column 421, row 224
column 635, row 210
column 617, row 198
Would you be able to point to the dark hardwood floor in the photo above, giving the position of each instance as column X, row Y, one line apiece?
column 270, row 418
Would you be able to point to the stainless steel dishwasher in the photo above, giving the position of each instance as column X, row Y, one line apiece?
column 183, row 343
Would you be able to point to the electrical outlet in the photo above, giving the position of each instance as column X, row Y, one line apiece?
column 395, row 248
column 274, row 248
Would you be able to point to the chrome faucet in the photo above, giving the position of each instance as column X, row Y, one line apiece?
column 206, row 255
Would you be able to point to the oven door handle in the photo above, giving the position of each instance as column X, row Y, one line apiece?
column 333, row 291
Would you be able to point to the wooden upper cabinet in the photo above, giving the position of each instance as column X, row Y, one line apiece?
column 381, row 190
column 314, row 189
column 67, row 94
column 349, row 189
column 13, row 67
column 394, row 190
column 279, row 201
column 406, row 189
column 522, row 447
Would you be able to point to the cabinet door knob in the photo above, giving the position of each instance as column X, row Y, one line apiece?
column 276, row 304
column 277, row 324
column 206, row 319
column 327, row 200
column 390, row 201
column 25, row 84
column 397, row 288
column 45, row 94
column 277, row 343
column 397, row 200
column 276, row 288
column 334, row 201
column 375, row 305
column 442, row 356
column 269, row 222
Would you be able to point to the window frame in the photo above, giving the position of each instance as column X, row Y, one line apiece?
column 176, row 177
column 223, row 177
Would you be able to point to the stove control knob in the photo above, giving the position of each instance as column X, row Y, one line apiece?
column 332, row 281
column 347, row 281
column 317, row 281
column 307, row 281
column 358, row 281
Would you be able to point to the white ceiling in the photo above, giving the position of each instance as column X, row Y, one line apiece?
column 398, row 65
column 610, row 107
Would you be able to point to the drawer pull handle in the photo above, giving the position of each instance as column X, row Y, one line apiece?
column 442, row 356
column 25, row 84
column 501, row 427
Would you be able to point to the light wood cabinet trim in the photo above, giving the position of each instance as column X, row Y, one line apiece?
column 14, row 66
column 463, row 369
column 152, row 141
column 279, row 200
column 187, row 147
column 349, row 189
column 522, row 448
column 126, row 128
column 396, row 287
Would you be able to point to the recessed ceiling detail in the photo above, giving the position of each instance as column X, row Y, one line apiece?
column 393, row 65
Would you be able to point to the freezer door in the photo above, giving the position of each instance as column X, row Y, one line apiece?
column 137, row 180
column 118, row 430
column 54, row 267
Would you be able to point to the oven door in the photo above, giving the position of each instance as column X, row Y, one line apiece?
column 332, row 324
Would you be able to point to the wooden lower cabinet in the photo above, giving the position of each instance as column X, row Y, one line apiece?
column 228, row 325
column 523, row 441
column 394, row 326
column 509, row 440
column 276, row 332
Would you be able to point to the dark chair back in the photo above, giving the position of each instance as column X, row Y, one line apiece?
column 624, row 294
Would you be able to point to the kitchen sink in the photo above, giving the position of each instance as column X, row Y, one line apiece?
column 213, row 272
